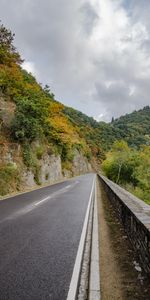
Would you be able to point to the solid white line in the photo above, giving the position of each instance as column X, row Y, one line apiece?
column 94, row 286
column 77, row 267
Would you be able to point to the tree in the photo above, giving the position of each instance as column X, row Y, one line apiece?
column 8, row 52
column 48, row 92
column 142, row 174
column 120, row 163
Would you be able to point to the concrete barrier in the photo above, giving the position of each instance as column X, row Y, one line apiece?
column 134, row 214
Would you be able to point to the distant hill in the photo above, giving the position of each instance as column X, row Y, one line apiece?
column 134, row 128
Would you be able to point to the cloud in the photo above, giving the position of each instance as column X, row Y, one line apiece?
column 29, row 67
column 94, row 54
column 89, row 17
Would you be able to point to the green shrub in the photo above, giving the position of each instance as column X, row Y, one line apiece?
column 39, row 152
column 9, row 178
column 31, row 161
column 46, row 176
column 28, row 156
column 129, row 168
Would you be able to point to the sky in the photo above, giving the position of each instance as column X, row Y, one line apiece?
column 94, row 54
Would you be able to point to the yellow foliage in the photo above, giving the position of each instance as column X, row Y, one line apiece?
column 62, row 126
column 55, row 108
column 11, row 79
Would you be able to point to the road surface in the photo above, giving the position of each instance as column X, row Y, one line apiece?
column 39, row 237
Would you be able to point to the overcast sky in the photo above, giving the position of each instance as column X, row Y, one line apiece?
column 94, row 54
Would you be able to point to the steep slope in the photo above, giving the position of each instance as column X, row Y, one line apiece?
column 38, row 143
column 134, row 127
column 99, row 137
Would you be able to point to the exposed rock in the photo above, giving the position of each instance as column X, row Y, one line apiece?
column 9, row 152
column 7, row 109
column 28, row 178
column 50, row 169
column 80, row 164
column 67, row 173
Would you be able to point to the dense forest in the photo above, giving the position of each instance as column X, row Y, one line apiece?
column 134, row 128
column 29, row 112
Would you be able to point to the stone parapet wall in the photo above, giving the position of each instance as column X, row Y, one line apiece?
column 134, row 214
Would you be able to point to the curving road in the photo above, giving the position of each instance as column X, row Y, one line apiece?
column 39, row 238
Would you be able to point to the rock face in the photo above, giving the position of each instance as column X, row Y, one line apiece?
column 80, row 164
column 50, row 170
column 7, row 109
column 28, row 179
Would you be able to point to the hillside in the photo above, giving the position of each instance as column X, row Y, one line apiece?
column 134, row 128
column 38, row 143
column 41, row 140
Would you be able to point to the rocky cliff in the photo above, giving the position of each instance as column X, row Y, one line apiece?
column 48, row 168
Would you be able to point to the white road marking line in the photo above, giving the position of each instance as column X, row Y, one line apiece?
column 77, row 267
column 54, row 194
column 67, row 187
column 43, row 200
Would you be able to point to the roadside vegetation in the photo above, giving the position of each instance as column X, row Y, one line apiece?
column 129, row 168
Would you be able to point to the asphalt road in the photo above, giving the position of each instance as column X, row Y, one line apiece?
column 39, row 237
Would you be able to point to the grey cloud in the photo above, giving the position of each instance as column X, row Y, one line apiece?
column 63, row 40
column 89, row 17
column 118, row 92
